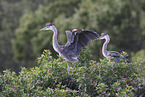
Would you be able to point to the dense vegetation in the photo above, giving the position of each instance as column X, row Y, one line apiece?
column 91, row 78
column 25, row 71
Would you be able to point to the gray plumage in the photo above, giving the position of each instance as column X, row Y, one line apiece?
column 111, row 54
column 75, row 41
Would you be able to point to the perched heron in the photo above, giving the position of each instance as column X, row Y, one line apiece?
column 110, row 54
column 75, row 41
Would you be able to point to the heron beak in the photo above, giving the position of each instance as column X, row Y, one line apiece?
column 45, row 28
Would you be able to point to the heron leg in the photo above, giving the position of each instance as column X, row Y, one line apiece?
column 68, row 68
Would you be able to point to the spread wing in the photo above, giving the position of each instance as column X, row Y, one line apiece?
column 81, row 38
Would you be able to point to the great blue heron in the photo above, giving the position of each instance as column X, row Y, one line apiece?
column 111, row 54
column 75, row 41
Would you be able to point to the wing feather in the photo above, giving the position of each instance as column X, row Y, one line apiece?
column 81, row 38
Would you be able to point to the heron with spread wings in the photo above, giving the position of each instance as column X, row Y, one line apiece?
column 75, row 41
column 111, row 54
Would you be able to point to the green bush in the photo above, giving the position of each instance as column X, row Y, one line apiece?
column 140, row 53
column 91, row 78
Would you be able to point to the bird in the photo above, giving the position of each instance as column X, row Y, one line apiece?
column 75, row 41
column 111, row 54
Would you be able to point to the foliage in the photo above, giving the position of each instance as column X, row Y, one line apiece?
column 21, row 43
column 29, row 43
column 51, row 78
column 10, row 13
column 20, row 20
column 140, row 54
column 120, row 19
column 126, row 22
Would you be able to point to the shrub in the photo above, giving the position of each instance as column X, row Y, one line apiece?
column 91, row 78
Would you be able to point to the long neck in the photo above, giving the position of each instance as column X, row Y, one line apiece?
column 56, row 46
column 104, row 49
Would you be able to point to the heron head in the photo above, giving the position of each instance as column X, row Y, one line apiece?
column 103, row 36
column 48, row 27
